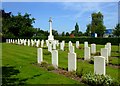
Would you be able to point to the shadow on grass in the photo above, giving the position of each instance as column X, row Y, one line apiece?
column 7, row 76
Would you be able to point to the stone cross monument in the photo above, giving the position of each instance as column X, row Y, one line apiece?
column 50, row 37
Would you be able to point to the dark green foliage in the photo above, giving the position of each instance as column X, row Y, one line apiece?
column 54, row 32
column 116, row 31
column 46, row 53
column 40, row 33
column 91, row 61
column 76, row 32
column 99, row 80
column 17, row 26
column 97, row 25
column 44, row 64
column 103, row 41
column 79, row 73
column 97, row 54
column 67, row 34
column 50, row 68
column 87, row 33
column 63, row 33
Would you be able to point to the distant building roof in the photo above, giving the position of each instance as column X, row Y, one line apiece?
column 108, row 31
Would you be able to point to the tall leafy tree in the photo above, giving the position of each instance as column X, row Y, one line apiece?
column 63, row 33
column 67, row 34
column 17, row 26
column 54, row 32
column 76, row 28
column 87, row 33
column 76, row 31
column 97, row 25
column 116, row 30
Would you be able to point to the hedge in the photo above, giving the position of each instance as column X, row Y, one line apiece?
column 102, row 41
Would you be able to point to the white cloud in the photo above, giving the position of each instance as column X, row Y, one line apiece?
column 82, row 10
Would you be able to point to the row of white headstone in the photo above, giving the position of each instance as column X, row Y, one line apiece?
column 31, row 42
column 71, row 58
column 99, row 61
column 105, row 52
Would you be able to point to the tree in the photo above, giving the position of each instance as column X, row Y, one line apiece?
column 116, row 30
column 63, row 33
column 54, row 32
column 76, row 31
column 97, row 25
column 87, row 33
column 17, row 26
column 67, row 34
column 76, row 28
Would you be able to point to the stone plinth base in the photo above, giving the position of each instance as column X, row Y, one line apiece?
column 50, row 38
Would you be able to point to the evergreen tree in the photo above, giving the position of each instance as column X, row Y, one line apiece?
column 116, row 30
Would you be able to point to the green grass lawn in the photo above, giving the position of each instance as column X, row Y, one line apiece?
column 17, row 63
column 18, row 68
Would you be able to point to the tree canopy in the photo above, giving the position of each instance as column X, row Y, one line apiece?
column 116, row 30
column 17, row 26
column 97, row 25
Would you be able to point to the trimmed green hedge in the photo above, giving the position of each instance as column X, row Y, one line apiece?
column 102, row 41
column 113, row 41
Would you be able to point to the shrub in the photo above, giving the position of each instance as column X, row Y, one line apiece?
column 45, row 48
column 44, row 64
column 50, row 68
column 91, row 61
column 79, row 73
column 46, row 53
column 97, row 54
column 99, row 80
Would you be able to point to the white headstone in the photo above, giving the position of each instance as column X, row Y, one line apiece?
column 8, row 40
column 13, row 41
column 18, row 41
column 72, row 62
column 70, row 44
column 99, row 65
column 28, row 42
column 50, row 47
column 37, row 43
column 77, row 44
column 61, row 46
column 40, row 55
column 63, row 42
column 42, row 43
column 85, row 44
column 93, row 48
column 108, row 45
column 55, row 58
column 32, row 42
column 57, row 43
column 87, row 53
column 104, row 53
column 25, row 42
column 47, row 42
column 54, row 45
column 71, row 49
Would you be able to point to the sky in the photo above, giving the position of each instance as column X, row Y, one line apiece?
column 65, row 14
